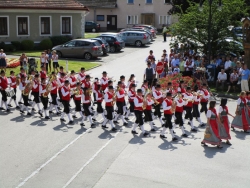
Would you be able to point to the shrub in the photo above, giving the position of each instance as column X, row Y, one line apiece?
column 2, row 45
column 45, row 44
column 17, row 44
column 57, row 40
column 10, row 48
column 27, row 45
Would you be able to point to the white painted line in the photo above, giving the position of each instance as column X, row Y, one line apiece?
column 52, row 158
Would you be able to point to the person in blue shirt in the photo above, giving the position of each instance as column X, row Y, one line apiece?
column 175, row 62
column 245, row 75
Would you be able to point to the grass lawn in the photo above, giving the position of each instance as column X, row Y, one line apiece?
column 91, row 35
column 33, row 53
column 72, row 65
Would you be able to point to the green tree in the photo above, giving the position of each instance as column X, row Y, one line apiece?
column 193, row 24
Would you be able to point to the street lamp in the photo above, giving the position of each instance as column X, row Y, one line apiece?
column 210, row 2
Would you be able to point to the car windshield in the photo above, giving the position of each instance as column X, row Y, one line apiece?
column 238, row 30
column 119, row 39
column 96, row 43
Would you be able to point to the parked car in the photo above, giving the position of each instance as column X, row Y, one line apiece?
column 104, row 44
column 230, row 46
column 238, row 32
column 113, row 34
column 139, row 29
column 150, row 27
column 115, row 42
column 92, row 26
column 136, row 38
column 85, row 48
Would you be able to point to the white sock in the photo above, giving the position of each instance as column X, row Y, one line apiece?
column 16, row 103
column 1, row 104
column 45, row 112
column 184, row 112
column 163, row 130
column 105, row 122
column 20, row 98
column 90, row 119
column 103, row 116
column 96, row 113
column 151, row 125
column 161, row 120
column 174, row 126
column 62, row 116
column 33, row 104
column 182, row 129
column 26, row 108
column 116, row 117
column 10, row 101
column 105, row 112
column 123, row 120
column 134, row 126
column 199, row 119
column 5, row 103
column 192, row 124
column 174, row 117
column 81, row 114
column 74, row 113
column 172, row 133
column 124, row 109
column 142, row 129
column 70, row 119
column 56, row 108
column 91, row 111
column 22, row 107
column 51, row 107
column 127, row 114
column 38, row 106
column 111, row 123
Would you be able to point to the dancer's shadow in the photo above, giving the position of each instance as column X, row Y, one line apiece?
column 40, row 122
column 106, row 134
column 240, row 134
column 18, row 119
column 137, row 140
column 62, row 127
column 81, row 130
column 166, row 145
column 210, row 150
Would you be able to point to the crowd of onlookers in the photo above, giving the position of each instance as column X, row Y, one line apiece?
column 228, row 73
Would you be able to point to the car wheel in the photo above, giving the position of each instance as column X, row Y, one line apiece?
column 59, row 54
column 87, row 56
column 93, row 30
column 138, row 43
column 112, row 49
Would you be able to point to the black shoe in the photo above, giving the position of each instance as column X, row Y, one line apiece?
column 74, row 116
column 82, row 124
column 17, row 107
column 22, row 112
column 71, row 122
column 29, row 100
column 152, row 130
column 1, row 108
column 94, row 119
column 153, row 123
column 174, row 132
column 162, row 136
column 40, row 113
column 116, row 122
column 33, row 109
column 228, row 143
column 146, row 134
column 58, row 108
column 20, row 103
column 114, row 129
column 47, row 117
column 8, row 110
column 50, row 112
column 29, row 114
column 58, row 113
column 194, row 130
column 203, row 124
column 125, row 124
column 62, row 119
column 189, row 123
column 174, row 139
column 246, row 132
column 134, row 132
column 203, row 143
column 164, row 119
column 126, row 118
column 233, row 128
column 220, row 147
column 92, row 125
column 185, row 135
column 9, row 105
column 104, row 127
column 92, row 108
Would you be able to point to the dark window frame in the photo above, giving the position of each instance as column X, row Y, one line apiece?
column 129, row 2
column 149, row 2
column 48, row 24
column 22, row 20
column 66, row 31
column 100, row 16
column 4, row 28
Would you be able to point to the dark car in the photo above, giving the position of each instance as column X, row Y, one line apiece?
column 104, row 44
column 92, row 26
column 85, row 48
column 115, row 42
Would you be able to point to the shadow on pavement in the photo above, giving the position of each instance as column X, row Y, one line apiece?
column 136, row 140
column 166, row 145
column 81, row 130
column 39, row 123
column 17, row 119
column 106, row 134
column 210, row 151
column 240, row 134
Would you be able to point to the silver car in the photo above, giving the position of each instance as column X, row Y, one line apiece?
column 85, row 48
column 136, row 38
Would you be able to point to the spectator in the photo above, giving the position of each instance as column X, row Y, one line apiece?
column 175, row 61
column 181, row 66
column 245, row 75
column 55, row 61
column 189, row 66
column 197, row 62
column 43, row 59
column 176, row 70
column 150, row 56
column 218, row 61
column 233, row 81
column 238, row 66
column 164, row 32
column 153, row 65
column 24, row 62
column 222, row 78
column 171, row 54
column 3, row 63
column 197, row 74
column 234, row 62
column 149, row 74
column 227, row 67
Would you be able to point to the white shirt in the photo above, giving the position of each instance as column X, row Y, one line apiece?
column 130, row 95
column 104, row 82
column 220, row 109
column 222, row 77
column 106, row 98
column 21, row 87
column 55, row 58
column 71, row 82
column 119, row 95
column 187, row 67
column 180, row 104
column 239, row 101
column 136, row 102
column 2, row 55
column 165, row 106
column 227, row 64
column 149, row 103
column 189, row 97
column 84, row 100
column 41, row 90
column 157, row 96
column 81, row 76
column 97, row 98
column 209, row 113
column 234, row 77
column 202, row 93
column 63, row 92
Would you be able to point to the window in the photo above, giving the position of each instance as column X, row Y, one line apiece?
column 23, row 25
column 165, row 20
column 130, row 1
column 70, row 44
column 149, row 1
column 167, row 1
column 45, row 25
column 66, row 25
column 4, row 26
column 99, row 17
column 132, row 20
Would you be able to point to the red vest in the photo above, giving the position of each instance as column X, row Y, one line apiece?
column 13, row 81
column 110, row 96
column 73, row 80
column 121, row 92
column 67, row 97
column 190, row 103
column 99, row 95
column 87, row 98
column 78, row 97
column 86, row 84
column 169, row 103
column 205, row 94
column 104, row 86
column 82, row 75
column 61, row 80
column 44, row 86
column 149, row 107
column 4, row 82
column 158, row 93
column 150, row 57
column 37, row 88
column 183, row 90
column 23, row 83
column 54, row 84
column 95, row 86
column 130, row 84
column 140, row 100
column 123, row 85
column 133, row 95
column 188, row 63
column 43, row 74
column 197, row 102
column 22, row 74
column 179, row 109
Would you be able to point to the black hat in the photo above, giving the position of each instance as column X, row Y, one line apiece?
column 119, row 82
column 85, row 89
column 61, row 67
column 23, row 76
column 145, row 81
column 78, row 83
column 66, row 82
column 169, row 94
column 104, row 72
column 132, row 85
column 155, row 80
column 169, row 83
column 212, row 102
column 72, row 72
column 110, row 87
column 82, row 68
column 181, row 82
column 2, row 71
column 62, row 74
column 148, row 63
column 121, row 77
column 204, row 84
column 188, row 88
column 87, row 76
column 223, row 102
column 52, row 72
column 158, row 86
column 139, row 91
column 11, row 72
column 110, row 81
column 96, row 78
column 36, row 75
column 132, row 75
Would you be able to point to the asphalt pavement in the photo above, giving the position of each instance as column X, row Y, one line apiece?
column 38, row 153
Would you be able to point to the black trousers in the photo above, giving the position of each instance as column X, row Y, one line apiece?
column 110, row 110
column 86, row 109
column 66, row 109
column 60, row 95
column 45, row 101
column 120, row 107
column 164, row 37
column 149, row 82
column 179, row 120
column 148, row 115
column 36, row 97
column 99, row 108
column 132, row 106
column 94, row 95
column 189, row 114
column 138, row 116
column 54, row 98
column 168, row 123
column 78, row 107
column 14, row 96
column 25, row 100
column 157, row 110
column 196, row 112
column 204, row 107
column 4, row 96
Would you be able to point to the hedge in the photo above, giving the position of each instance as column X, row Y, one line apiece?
column 57, row 40
column 45, row 44
column 27, row 45
column 17, row 44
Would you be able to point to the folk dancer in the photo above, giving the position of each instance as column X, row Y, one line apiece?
column 81, row 76
column 65, row 92
column 60, row 82
column 53, row 94
column 131, row 96
column 13, row 84
column 109, row 105
column 86, row 84
column 95, row 89
column 86, row 101
column 196, row 112
column 72, row 82
column 138, row 102
column 22, row 73
column 104, row 81
column 190, row 98
column 25, row 90
column 168, row 112
column 144, row 87
column 120, row 100
column 99, row 99
column 205, row 97
column 44, row 97
column 35, row 93
column 240, row 121
column 148, row 111
column 211, row 135
column 3, row 86
column 157, row 94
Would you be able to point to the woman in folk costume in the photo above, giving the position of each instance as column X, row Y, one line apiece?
column 211, row 135
column 248, row 104
column 223, row 116
column 147, row 109
column 241, row 119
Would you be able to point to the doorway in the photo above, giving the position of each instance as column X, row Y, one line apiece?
column 112, row 22
column 148, row 19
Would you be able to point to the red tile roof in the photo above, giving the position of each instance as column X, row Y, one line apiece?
column 43, row 4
